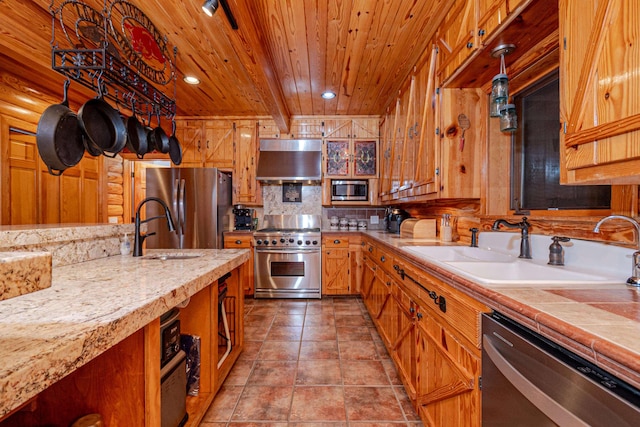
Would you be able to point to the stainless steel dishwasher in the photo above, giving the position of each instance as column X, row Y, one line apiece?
column 528, row 380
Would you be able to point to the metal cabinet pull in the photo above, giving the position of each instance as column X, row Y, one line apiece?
column 419, row 315
column 438, row 300
column 238, row 242
column 337, row 241
column 370, row 248
column 382, row 258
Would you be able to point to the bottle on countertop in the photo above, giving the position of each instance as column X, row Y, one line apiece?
column 125, row 245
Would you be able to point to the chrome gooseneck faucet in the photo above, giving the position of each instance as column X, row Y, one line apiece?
column 525, row 247
column 634, row 280
column 139, row 238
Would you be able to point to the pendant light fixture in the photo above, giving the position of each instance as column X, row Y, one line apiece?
column 500, row 88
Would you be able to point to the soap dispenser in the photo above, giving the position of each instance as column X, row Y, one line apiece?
column 125, row 245
column 556, row 251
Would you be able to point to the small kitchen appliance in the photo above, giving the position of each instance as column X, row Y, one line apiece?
column 395, row 218
column 243, row 218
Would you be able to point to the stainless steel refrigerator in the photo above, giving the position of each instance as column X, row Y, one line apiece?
column 199, row 200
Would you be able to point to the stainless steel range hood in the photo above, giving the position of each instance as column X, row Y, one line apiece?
column 290, row 160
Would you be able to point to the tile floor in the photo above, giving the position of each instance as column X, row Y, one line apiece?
column 311, row 363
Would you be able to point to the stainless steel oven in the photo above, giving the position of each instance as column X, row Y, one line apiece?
column 288, row 257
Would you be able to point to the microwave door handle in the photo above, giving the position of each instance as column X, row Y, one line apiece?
column 552, row 409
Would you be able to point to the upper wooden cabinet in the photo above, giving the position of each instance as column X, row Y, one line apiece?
column 206, row 143
column 246, row 189
column 300, row 128
column 425, row 158
column 456, row 36
column 346, row 158
column 600, row 136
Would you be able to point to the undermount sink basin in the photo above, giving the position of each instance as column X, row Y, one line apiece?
column 459, row 253
column 170, row 256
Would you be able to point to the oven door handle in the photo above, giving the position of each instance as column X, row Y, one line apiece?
column 547, row 405
column 287, row 251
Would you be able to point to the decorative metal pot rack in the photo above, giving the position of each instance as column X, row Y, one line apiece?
column 95, row 55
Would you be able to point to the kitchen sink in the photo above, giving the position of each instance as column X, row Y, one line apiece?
column 497, row 269
column 459, row 253
column 173, row 255
column 526, row 273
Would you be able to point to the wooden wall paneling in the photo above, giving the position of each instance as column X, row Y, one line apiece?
column 118, row 178
column 307, row 127
column 495, row 188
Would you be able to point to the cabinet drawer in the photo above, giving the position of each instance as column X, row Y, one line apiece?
column 335, row 242
column 238, row 241
column 462, row 312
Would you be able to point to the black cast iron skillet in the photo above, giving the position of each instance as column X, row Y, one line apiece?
column 103, row 126
column 59, row 136
column 175, row 151
column 136, row 136
column 158, row 138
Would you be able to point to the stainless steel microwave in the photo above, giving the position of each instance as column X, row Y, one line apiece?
column 350, row 190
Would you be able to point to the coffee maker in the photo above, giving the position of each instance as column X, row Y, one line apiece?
column 243, row 217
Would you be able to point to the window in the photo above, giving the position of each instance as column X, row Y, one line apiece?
column 536, row 157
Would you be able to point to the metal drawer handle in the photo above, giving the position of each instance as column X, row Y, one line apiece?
column 438, row 300
column 419, row 315
column 238, row 242
column 370, row 248
column 382, row 258
column 337, row 242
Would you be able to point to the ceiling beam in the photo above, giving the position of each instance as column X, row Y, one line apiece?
column 249, row 43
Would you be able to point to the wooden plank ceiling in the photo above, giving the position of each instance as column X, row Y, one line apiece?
column 283, row 55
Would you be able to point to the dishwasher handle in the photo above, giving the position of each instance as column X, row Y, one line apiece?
column 552, row 409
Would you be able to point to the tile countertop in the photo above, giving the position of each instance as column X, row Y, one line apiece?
column 90, row 307
column 599, row 322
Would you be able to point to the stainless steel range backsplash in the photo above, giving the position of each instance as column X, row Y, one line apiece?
column 310, row 204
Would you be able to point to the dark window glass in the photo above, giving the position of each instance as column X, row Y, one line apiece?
column 536, row 161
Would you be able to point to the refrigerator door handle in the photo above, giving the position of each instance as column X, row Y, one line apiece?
column 183, row 213
column 175, row 211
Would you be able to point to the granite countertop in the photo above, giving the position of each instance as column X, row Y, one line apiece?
column 598, row 322
column 90, row 307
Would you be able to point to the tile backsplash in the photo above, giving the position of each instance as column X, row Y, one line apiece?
column 361, row 214
column 274, row 204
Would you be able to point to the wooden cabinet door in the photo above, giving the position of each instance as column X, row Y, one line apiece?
column 337, row 128
column 306, row 128
column 448, row 394
column 19, row 165
column 365, row 158
column 403, row 348
column 364, row 128
column 218, row 143
column 426, row 139
column 355, row 265
column 386, row 138
column 600, row 115
column 338, row 154
column 246, row 189
column 189, row 133
column 335, row 271
column 456, row 37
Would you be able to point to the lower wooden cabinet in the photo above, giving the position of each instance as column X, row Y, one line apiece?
column 243, row 240
column 432, row 333
column 341, row 264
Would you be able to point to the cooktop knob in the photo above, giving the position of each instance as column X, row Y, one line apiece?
column 299, row 242
column 258, row 242
column 274, row 241
column 315, row 242
column 290, row 240
column 282, row 240
column 307, row 242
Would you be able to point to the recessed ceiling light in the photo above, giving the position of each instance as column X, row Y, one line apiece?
column 328, row 95
column 192, row 80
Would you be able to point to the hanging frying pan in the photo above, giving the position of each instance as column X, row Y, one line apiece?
column 159, row 138
column 136, row 135
column 175, row 151
column 103, row 126
column 59, row 136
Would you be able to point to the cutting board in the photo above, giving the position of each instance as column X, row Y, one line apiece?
column 415, row 228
